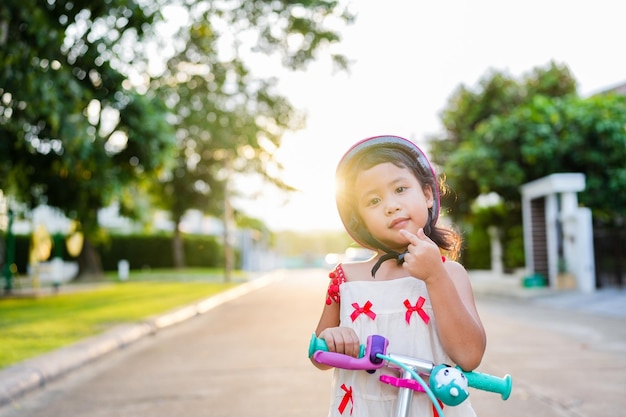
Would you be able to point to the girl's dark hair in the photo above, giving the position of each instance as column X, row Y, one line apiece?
column 404, row 157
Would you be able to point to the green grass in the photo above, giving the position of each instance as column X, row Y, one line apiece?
column 32, row 326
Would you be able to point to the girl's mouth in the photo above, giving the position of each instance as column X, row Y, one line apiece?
column 398, row 223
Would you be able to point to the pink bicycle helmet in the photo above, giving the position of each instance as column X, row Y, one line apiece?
column 364, row 155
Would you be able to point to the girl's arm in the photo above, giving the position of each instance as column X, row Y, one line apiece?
column 460, row 330
column 339, row 339
column 458, row 324
column 329, row 319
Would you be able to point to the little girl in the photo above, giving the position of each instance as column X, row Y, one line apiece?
column 422, row 302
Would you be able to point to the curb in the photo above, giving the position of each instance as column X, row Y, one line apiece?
column 485, row 284
column 31, row 374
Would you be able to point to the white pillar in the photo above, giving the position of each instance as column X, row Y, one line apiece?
column 552, row 213
column 567, row 184
column 584, row 253
column 569, row 208
column 497, row 266
column 123, row 269
column 528, row 233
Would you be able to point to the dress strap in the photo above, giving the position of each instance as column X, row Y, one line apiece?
column 337, row 277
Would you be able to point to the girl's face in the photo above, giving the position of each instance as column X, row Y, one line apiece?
column 390, row 198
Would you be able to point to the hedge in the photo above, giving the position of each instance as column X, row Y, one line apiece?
column 141, row 251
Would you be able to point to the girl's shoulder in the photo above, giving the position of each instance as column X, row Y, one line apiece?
column 455, row 269
column 346, row 272
column 358, row 271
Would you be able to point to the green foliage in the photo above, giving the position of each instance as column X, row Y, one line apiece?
column 33, row 326
column 477, row 241
column 22, row 249
column 57, row 80
column 203, row 251
column 546, row 136
column 471, row 153
column 155, row 251
column 75, row 134
column 507, row 133
column 497, row 94
column 229, row 119
column 513, row 256
column 141, row 251
column 476, row 253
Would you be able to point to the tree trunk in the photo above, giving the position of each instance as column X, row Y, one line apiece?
column 178, row 248
column 229, row 257
column 229, row 221
column 89, row 262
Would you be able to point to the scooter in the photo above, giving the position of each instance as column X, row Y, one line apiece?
column 447, row 384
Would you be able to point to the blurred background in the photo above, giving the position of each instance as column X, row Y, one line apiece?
column 177, row 134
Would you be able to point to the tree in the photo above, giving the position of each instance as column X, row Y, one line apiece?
column 79, row 134
column 229, row 121
column 550, row 130
column 74, row 133
column 549, row 135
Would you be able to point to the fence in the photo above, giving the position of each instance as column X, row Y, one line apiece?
column 610, row 256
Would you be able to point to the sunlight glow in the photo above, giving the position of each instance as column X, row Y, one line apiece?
column 408, row 59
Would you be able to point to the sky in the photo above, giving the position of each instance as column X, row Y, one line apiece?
column 409, row 57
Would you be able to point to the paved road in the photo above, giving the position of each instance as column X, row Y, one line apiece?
column 247, row 357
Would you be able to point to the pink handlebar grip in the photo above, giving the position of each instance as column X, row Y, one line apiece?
column 402, row 383
column 370, row 361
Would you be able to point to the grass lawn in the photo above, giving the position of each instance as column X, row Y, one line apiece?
column 31, row 326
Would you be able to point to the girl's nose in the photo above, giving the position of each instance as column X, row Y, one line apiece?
column 392, row 207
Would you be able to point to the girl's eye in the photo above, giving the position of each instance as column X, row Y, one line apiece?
column 373, row 201
column 400, row 189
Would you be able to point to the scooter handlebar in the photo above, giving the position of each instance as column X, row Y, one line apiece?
column 317, row 343
column 490, row 383
column 368, row 361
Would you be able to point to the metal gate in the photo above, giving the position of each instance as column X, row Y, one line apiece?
column 610, row 256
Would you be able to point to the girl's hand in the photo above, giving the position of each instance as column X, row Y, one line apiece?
column 341, row 340
column 423, row 259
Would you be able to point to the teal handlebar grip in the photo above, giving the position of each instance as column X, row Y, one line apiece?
column 490, row 383
column 320, row 344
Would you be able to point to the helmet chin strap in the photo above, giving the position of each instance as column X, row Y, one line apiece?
column 390, row 254
column 399, row 257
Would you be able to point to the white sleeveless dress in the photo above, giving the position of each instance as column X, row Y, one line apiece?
column 379, row 307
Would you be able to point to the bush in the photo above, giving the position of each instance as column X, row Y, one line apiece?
column 141, row 251
column 204, row 251
column 476, row 253
column 155, row 251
